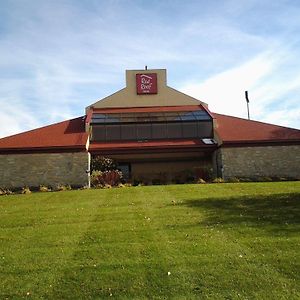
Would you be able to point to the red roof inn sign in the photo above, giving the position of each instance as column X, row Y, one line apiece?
column 146, row 83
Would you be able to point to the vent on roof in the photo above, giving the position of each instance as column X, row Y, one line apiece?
column 209, row 141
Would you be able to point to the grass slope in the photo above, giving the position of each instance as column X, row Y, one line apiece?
column 221, row 241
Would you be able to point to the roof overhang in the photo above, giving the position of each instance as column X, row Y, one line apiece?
column 31, row 150
column 158, row 146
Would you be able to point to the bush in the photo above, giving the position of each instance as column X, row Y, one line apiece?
column 44, row 188
column 218, row 180
column 100, row 163
column 105, row 173
column 111, row 178
column 6, row 192
column 201, row 181
column 95, row 178
column 26, row 190
column 61, row 187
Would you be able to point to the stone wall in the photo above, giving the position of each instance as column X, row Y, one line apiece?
column 265, row 161
column 19, row 170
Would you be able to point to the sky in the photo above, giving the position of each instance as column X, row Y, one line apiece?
column 59, row 56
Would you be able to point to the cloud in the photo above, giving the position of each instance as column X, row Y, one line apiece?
column 57, row 57
column 271, row 97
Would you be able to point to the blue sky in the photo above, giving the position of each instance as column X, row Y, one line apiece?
column 57, row 57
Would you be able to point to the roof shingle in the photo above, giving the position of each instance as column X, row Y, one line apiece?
column 233, row 130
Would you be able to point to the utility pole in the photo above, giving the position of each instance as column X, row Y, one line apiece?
column 247, row 100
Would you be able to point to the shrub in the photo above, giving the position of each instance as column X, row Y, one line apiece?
column 44, row 188
column 95, row 178
column 100, row 179
column 218, row 180
column 105, row 172
column 4, row 191
column 61, row 187
column 100, row 163
column 8, row 192
column 201, row 181
column 107, row 186
column 26, row 190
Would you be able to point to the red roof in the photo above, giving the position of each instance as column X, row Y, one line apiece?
column 234, row 130
column 68, row 134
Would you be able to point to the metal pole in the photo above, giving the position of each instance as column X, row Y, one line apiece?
column 247, row 100
column 89, row 170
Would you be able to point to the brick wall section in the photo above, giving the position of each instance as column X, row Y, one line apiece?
column 19, row 170
column 268, row 161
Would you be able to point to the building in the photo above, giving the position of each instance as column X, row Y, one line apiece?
column 152, row 131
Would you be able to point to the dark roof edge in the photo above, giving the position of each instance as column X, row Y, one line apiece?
column 32, row 150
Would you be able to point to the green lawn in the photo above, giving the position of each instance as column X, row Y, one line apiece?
column 218, row 241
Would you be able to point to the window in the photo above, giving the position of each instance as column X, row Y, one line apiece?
column 144, row 131
column 113, row 132
column 189, row 129
column 174, row 130
column 98, row 133
column 159, row 131
column 128, row 132
column 151, row 125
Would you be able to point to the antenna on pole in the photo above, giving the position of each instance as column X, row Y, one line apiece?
column 247, row 100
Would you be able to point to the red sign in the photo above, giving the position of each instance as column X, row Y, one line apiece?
column 146, row 83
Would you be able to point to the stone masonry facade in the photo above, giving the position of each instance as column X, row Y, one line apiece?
column 50, row 169
column 264, row 161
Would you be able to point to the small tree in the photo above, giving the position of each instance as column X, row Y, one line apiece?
column 105, row 172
